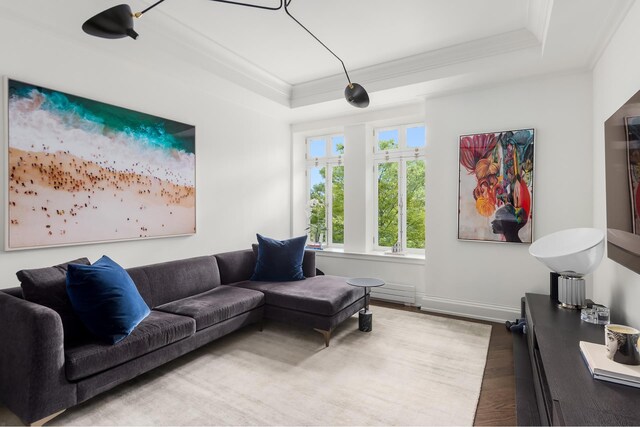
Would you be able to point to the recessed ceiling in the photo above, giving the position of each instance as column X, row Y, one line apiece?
column 361, row 32
column 397, row 49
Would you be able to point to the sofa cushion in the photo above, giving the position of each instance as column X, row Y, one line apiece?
column 47, row 286
column 236, row 266
column 323, row 295
column 170, row 281
column 279, row 260
column 155, row 331
column 106, row 299
column 308, row 261
column 215, row 306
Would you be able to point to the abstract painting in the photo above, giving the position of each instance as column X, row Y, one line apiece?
column 495, row 192
column 632, row 125
column 82, row 171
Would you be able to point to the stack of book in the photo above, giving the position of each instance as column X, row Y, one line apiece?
column 605, row 369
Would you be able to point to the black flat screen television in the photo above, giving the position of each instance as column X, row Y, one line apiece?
column 622, row 173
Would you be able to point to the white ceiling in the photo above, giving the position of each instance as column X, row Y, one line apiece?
column 399, row 50
column 361, row 32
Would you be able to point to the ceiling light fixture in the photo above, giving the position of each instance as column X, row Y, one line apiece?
column 117, row 22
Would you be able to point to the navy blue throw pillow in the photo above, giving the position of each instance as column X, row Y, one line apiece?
column 105, row 299
column 279, row 260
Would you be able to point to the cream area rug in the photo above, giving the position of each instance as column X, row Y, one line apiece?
column 412, row 369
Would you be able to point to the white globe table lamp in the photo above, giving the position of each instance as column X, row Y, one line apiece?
column 573, row 254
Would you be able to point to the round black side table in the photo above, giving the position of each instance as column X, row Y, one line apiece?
column 365, row 317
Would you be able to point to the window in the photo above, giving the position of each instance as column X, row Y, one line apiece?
column 325, row 195
column 399, row 158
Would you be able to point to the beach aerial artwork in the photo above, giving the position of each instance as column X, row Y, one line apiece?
column 83, row 171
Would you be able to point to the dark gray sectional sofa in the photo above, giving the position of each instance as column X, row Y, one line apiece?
column 193, row 301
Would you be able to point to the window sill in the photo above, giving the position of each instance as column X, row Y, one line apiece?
column 412, row 258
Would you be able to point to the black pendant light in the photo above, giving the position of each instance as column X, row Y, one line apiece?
column 356, row 95
column 114, row 23
column 117, row 22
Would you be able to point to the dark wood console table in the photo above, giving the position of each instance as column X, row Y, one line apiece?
column 553, row 384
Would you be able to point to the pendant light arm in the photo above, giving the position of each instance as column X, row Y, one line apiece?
column 286, row 3
column 251, row 5
column 139, row 14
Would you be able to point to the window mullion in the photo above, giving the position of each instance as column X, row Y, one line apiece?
column 329, row 203
column 376, row 203
column 402, row 202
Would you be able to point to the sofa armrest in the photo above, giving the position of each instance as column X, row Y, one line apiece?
column 309, row 263
column 32, row 373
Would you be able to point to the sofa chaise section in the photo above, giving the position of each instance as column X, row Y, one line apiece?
column 318, row 302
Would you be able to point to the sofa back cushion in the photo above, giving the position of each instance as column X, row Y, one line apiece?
column 170, row 281
column 14, row 292
column 236, row 266
column 47, row 287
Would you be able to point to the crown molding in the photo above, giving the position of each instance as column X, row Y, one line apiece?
column 410, row 70
column 538, row 19
column 612, row 23
column 198, row 48
column 182, row 42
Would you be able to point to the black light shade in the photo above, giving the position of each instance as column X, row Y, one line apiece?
column 356, row 95
column 113, row 23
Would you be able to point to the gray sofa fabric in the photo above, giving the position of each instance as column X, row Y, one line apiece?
column 96, row 384
column 32, row 380
column 14, row 292
column 216, row 305
column 323, row 295
column 174, row 280
column 155, row 331
column 325, row 323
column 236, row 266
column 41, row 373
column 47, row 287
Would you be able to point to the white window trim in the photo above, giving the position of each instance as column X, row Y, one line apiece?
column 329, row 162
column 401, row 155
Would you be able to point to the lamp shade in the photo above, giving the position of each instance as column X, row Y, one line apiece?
column 113, row 23
column 356, row 95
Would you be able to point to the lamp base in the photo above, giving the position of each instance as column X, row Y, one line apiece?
column 571, row 292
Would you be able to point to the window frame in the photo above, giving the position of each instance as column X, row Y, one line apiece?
column 329, row 162
column 400, row 155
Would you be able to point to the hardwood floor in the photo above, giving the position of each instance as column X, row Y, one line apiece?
column 497, row 405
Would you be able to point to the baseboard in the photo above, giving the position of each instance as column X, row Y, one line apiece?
column 395, row 292
column 474, row 310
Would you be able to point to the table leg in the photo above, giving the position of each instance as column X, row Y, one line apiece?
column 365, row 317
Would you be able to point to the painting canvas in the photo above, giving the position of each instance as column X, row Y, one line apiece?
column 632, row 126
column 81, row 171
column 495, row 193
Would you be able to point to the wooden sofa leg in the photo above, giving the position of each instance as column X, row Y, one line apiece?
column 261, row 325
column 46, row 419
column 325, row 334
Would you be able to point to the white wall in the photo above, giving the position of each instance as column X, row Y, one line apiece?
column 616, row 77
column 485, row 280
column 243, row 152
column 488, row 279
